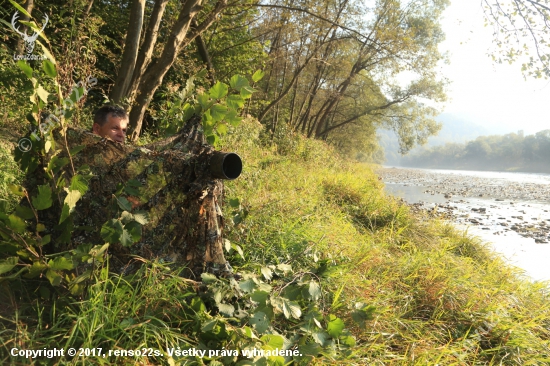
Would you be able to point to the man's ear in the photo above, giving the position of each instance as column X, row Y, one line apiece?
column 96, row 128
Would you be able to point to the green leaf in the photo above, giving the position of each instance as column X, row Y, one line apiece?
column 98, row 250
column 233, row 118
column 293, row 292
column 273, row 341
column 65, row 212
column 60, row 263
column 257, row 76
column 7, row 264
column 46, row 239
column 42, row 93
column 25, row 68
column 218, row 91
column 248, row 285
column 238, row 82
column 77, row 94
column 47, row 53
column 49, row 68
column 44, row 198
column 260, row 322
column 227, row 245
column 188, row 112
column 24, row 212
column 126, row 238
column 209, row 325
column 247, row 91
column 259, row 297
column 134, row 229
column 17, row 224
column 347, row 339
column 126, row 217
column 335, row 326
column 238, row 249
column 311, row 349
column 111, row 231
column 204, row 101
column 362, row 313
column 234, row 202
column 57, row 163
column 234, row 101
column 124, row 204
column 212, row 139
column 207, row 122
column 290, row 309
column 226, row 309
column 314, row 290
column 284, row 267
column 142, row 217
column 320, row 337
column 53, row 277
column 20, row 8
column 17, row 190
column 217, row 112
column 221, row 129
column 79, row 183
column 208, row 278
column 69, row 203
column 267, row 272
column 36, row 269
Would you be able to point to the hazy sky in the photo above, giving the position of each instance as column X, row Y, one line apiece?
column 482, row 92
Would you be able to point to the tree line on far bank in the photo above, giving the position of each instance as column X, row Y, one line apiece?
column 512, row 151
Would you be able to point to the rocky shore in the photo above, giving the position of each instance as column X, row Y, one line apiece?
column 500, row 204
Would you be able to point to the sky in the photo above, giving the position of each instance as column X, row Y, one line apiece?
column 492, row 95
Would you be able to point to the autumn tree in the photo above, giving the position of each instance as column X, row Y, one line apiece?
column 326, row 75
column 521, row 31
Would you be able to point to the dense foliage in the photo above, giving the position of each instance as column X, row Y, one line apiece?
column 332, row 69
column 498, row 152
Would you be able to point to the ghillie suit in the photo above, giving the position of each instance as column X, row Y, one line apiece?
column 162, row 201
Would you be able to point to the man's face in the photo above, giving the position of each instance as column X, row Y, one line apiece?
column 114, row 128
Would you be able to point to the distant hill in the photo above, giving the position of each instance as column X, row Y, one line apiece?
column 455, row 129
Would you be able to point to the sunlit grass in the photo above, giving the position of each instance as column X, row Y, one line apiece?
column 440, row 297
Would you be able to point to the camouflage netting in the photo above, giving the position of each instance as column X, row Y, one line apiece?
column 170, row 181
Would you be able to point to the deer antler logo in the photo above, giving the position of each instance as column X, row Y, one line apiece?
column 29, row 40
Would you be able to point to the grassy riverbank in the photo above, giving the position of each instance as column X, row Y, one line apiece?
column 377, row 284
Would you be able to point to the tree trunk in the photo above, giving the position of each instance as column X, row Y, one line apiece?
column 179, row 38
column 131, row 47
column 148, row 46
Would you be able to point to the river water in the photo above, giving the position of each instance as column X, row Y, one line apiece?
column 510, row 211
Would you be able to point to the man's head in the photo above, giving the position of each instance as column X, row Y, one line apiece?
column 111, row 121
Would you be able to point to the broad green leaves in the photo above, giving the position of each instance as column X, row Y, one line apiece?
column 43, row 200
column 335, row 326
column 238, row 82
column 111, row 231
column 218, row 91
column 258, row 75
column 49, row 68
column 27, row 70
column 8, row 264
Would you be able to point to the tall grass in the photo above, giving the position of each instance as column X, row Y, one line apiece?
column 435, row 296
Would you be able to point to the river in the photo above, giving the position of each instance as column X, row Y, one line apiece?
column 510, row 211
